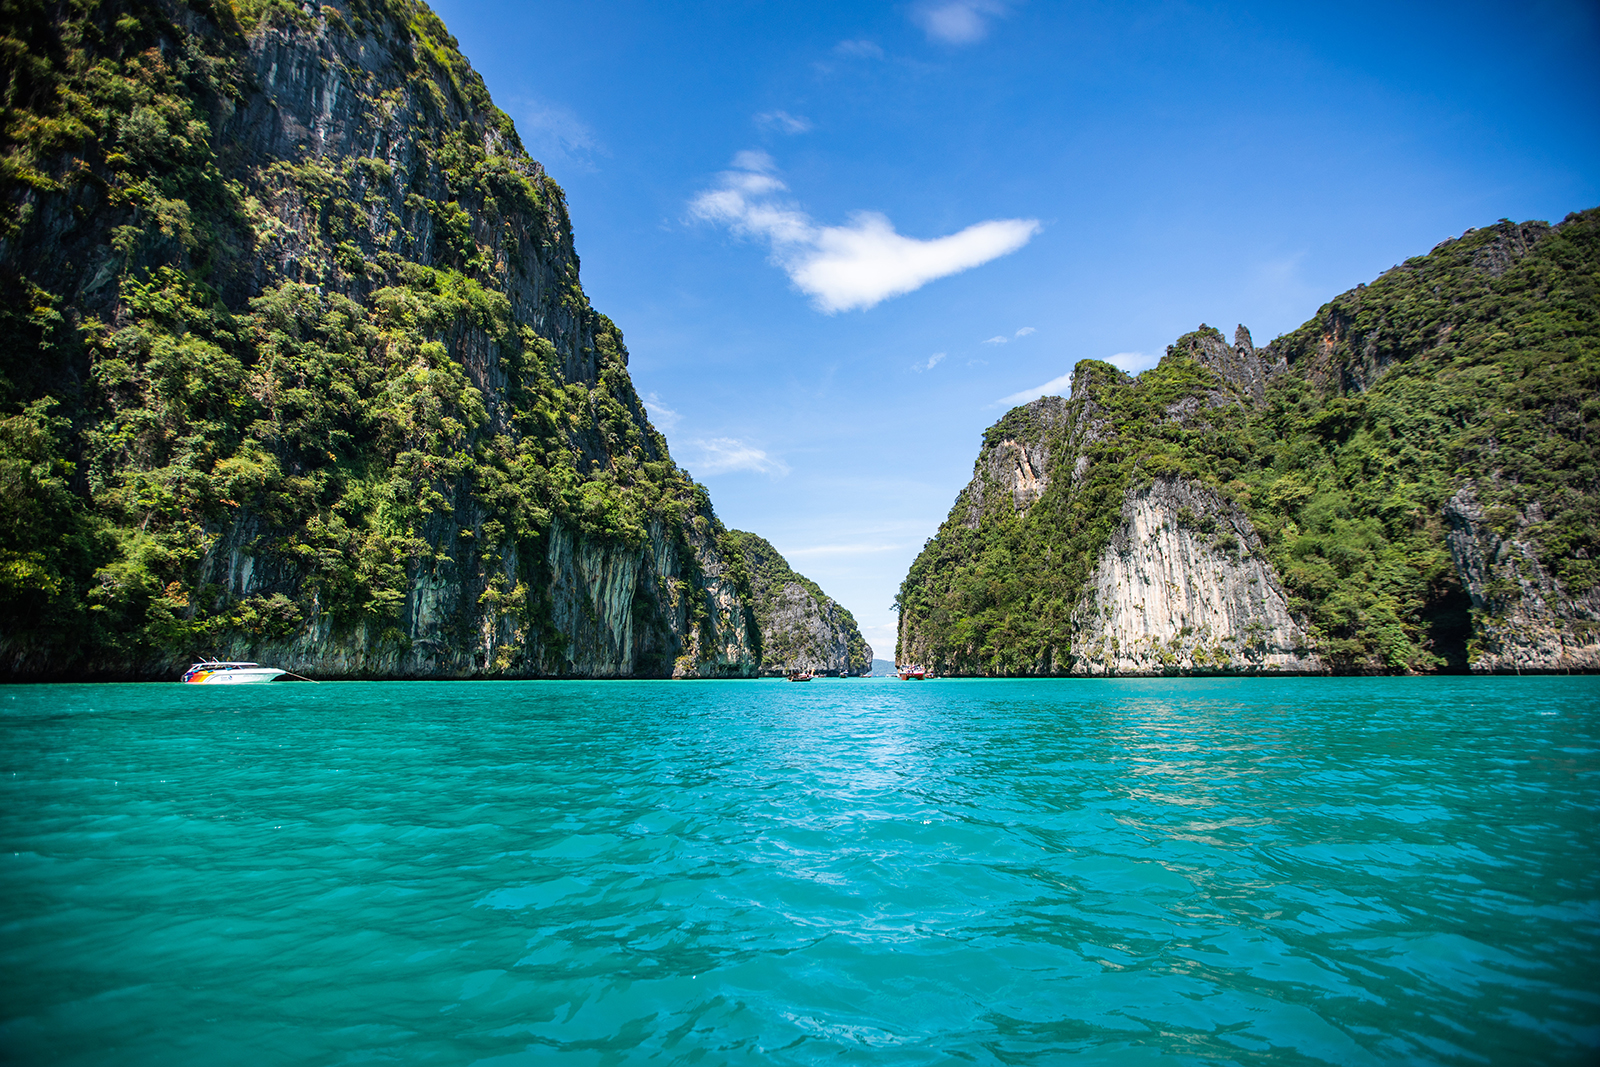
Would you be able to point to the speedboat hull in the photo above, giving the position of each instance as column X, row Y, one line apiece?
column 231, row 674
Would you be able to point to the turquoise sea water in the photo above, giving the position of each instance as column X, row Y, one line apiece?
column 1341, row 871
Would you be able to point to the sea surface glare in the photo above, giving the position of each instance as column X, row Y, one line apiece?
column 1286, row 871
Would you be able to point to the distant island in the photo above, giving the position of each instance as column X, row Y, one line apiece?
column 1408, row 483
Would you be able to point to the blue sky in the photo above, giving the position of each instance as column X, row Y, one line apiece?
column 841, row 238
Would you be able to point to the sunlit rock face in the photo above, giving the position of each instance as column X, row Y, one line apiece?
column 1182, row 587
column 1014, row 467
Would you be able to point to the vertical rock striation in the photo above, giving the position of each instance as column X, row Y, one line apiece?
column 802, row 629
column 1182, row 586
column 1526, row 618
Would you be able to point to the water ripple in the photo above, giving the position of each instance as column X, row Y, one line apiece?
column 1343, row 871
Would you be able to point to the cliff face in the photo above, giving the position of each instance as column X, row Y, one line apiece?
column 297, row 365
column 1014, row 463
column 1182, row 586
column 802, row 629
column 1527, row 618
column 1406, row 483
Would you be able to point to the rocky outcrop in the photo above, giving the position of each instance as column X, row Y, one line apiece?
column 1404, row 484
column 1183, row 588
column 1013, row 467
column 410, row 449
column 1526, row 620
column 802, row 629
column 1244, row 369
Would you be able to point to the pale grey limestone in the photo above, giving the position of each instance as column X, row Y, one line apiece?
column 1182, row 587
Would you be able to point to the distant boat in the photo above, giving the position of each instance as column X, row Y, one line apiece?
column 910, row 672
column 234, row 672
column 801, row 676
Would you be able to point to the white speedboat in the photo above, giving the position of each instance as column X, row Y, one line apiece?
column 232, row 672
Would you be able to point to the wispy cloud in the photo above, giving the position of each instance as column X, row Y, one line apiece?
column 783, row 122
column 663, row 417
column 998, row 339
column 857, row 265
column 858, row 50
column 956, row 21
column 755, row 161
column 932, row 362
column 1054, row 387
column 724, row 455
column 552, row 131
column 1132, row 362
column 1025, row 331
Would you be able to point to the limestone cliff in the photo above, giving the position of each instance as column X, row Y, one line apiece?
column 1404, row 484
column 802, row 629
column 1527, row 619
column 297, row 366
column 1183, row 586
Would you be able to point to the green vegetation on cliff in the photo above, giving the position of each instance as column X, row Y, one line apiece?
column 800, row 625
column 1475, row 368
column 224, row 339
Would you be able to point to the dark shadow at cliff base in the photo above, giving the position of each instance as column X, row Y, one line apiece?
column 1450, row 627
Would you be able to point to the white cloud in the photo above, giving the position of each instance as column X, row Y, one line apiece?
column 956, row 21
column 867, row 262
column 757, row 161
column 723, row 455
column 882, row 638
column 1132, row 362
column 998, row 339
column 1025, row 331
column 663, row 417
column 933, row 361
column 1054, row 387
column 858, row 50
column 846, row 267
column 783, row 122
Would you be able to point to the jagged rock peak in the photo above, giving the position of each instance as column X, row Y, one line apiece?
column 1244, row 369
